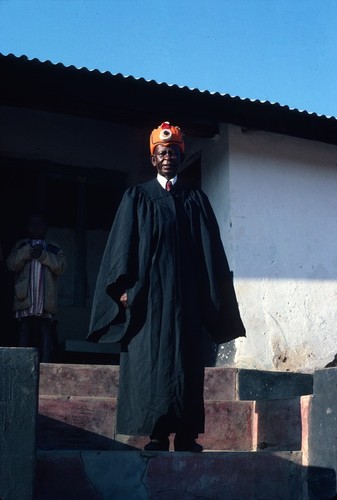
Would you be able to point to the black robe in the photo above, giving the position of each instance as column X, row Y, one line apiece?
column 165, row 251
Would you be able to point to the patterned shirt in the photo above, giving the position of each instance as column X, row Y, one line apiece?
column 36, row 284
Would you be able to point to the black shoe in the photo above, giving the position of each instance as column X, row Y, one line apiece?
column 158, row 445
column 187, row 445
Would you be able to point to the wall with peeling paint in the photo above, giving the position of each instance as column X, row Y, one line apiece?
column 281, row 244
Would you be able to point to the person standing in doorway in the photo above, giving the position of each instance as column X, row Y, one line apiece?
column 37, row 264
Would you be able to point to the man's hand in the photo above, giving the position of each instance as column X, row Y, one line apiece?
column 36, row 251
column 124, row 300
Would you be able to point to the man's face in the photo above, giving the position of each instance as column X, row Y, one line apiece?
column 37, row 227
column 166, row 159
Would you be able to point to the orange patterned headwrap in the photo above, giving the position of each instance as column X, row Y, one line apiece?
column 166, row 134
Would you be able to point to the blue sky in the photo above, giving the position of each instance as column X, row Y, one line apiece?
column 277, row 50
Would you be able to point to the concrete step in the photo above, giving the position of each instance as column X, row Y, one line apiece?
column 78, row 380
column 256, row 441
column 122, row 475
column 220, row 383
column 89, row 423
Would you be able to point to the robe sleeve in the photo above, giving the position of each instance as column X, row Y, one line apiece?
column 221, row 314
column 118, row 273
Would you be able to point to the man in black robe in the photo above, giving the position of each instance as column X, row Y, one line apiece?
column 164, row 280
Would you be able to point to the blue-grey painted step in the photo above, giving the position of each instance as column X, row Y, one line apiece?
column 181, row 476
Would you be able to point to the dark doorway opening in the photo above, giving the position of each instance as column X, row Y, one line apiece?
column 78, row 203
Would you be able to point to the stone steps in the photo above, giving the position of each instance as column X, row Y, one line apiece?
column 77, row 409
column 220, row 383
column 122, row 475
column 255, row 441
column 89, row 422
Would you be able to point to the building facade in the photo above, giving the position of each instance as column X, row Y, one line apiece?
column 72, row 140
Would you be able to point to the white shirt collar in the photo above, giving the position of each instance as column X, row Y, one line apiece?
column 162, row 180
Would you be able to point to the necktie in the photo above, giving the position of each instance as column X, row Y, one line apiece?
column 168, row 185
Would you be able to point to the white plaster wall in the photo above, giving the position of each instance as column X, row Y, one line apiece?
column 283, row 218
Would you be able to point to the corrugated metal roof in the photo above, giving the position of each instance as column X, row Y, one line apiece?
column 128, row 99
column 152, row 81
